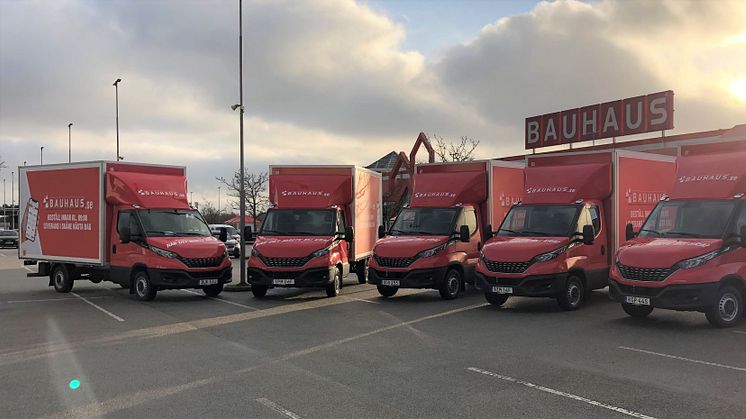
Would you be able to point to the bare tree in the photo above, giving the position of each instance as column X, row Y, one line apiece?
column 461, row 150
column 255, row 185
column 211, row 214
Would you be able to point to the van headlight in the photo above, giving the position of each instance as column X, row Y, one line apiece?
column 544, row 257
column 254, row 252
column 322, row 252
column 699, row 260
column 431, row 252
column 165, row 253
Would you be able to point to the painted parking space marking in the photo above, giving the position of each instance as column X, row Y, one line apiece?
column 44, row 300
column 221, row 300
column 103, row 310
column 681, row 358
column 561, row 393
column 28, row 269
column 742, row 332
column 277, row 408
column 363, row 300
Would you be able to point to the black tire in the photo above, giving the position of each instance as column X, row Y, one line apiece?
column 144, row 289
column 573, row 295
column 496, row 299
column 637, row 311
column 478, row 285
column 95, row 280
column 361, row 270
column 259, row 291
column 332, row 289
column 387, row 291
column 213, row 290
column 61, row 279
column 728, row 308
column 451, row 285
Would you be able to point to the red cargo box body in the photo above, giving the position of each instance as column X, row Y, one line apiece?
column 303, row 240
column 70, row 225
column 690, row 253
column 539, row 249
column 423, row 248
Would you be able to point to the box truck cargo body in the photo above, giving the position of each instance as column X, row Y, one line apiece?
column 123, row 222
column 560, row 239
column 322, row 226
column 434, row 243
column 691, row 252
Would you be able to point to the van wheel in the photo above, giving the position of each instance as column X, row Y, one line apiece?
column 213, row 290
column 259, row 291
column 361, row 270
column 95, row 279
column 496, row 299
column 573, row 295
column 451, row 286
column 637, row 311
column 61, row 279
column 332, row 289
column 144, row 290
column 727, row 310
column 387, row 291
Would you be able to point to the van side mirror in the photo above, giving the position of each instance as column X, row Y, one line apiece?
column 489, row 233
column 247, row 234
column 381, row 232
column 743, row 236
column 223, row 237
column 349, row 234
column 125, row 236
column 629, row 232
column 588, row 234
column 464, row 235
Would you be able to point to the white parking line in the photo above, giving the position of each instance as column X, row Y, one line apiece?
column 740, row 331
column 221, row 300
column 365, row 301
column 112, row 315
column 51, row 299
column 561, row 393
column 28, row 269
column 277, row 408
column 680, row 358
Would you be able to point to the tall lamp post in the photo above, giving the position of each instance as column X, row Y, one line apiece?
column 13, row 200
column 41, row 155
column 116, row 100
column 219, row 209
column 4, row 205
column 69, row 142
column 242, row 174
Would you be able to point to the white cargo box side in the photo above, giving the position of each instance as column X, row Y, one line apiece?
column 62, row 210
column 366, row 210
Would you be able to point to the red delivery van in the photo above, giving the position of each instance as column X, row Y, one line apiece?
column 322, row 226
column 128, row 223
column 690, row 254
column 434, row 242
column 560, row 239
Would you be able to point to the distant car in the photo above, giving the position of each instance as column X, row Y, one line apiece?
column 233, row 243
column 8, row 238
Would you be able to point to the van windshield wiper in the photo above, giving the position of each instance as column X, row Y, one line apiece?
column 652, row 231
column 682, row 233
column 161, row 232
column 534, row 233
column 510, row 231
column 272, row 231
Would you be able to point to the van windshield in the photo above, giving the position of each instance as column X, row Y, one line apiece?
column 299, row 222
column 697, row 219
column 173, row 223
column 425, row 222
column 540, row 220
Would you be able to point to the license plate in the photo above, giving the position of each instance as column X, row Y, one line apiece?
column 208, row 281
column 390, row 282
column 283, row 282
column 502, row 290
column 637, row 301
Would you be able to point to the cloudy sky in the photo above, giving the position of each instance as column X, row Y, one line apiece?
column 340, row 81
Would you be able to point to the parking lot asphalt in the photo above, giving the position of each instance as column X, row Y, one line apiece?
column 299, row 354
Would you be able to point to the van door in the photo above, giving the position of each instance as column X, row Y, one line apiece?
column 596, row 265
column 124, row 255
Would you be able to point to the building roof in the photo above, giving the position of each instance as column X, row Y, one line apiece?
column 385, row 163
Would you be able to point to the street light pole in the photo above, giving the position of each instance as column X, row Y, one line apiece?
column 13, row 200
column 4, row 205
column 116, row 100
column 41, row 155
column 242, row 191
column 219, row 209
column 69, row 142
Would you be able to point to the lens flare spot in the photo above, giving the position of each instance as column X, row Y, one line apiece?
column 738, row 89
column 74, row 384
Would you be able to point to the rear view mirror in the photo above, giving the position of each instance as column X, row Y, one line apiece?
column 588, row 234
column 381, row 232
column 125, row 236
column 629, row 232
column 743, row 236
column 489, row 233
column 464, row 235
column 223, row 237
column 349, row 234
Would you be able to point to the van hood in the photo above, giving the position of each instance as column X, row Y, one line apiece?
column 190, row 247
column 290, row 246
column 664, row 252
column 520, row 249
column 406, row 246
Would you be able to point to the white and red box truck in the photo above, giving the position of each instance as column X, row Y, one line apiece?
column 560, row 239
column 128, row 223
column 321, row 227
column 690, row 255
column 434, row 242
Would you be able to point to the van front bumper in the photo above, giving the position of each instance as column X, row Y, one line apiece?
column 527, row 286
column 175, row 279
column 416, row 278
column 695, row 297
column 311, row 278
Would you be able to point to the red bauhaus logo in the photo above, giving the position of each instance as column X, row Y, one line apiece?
column 648, row 113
